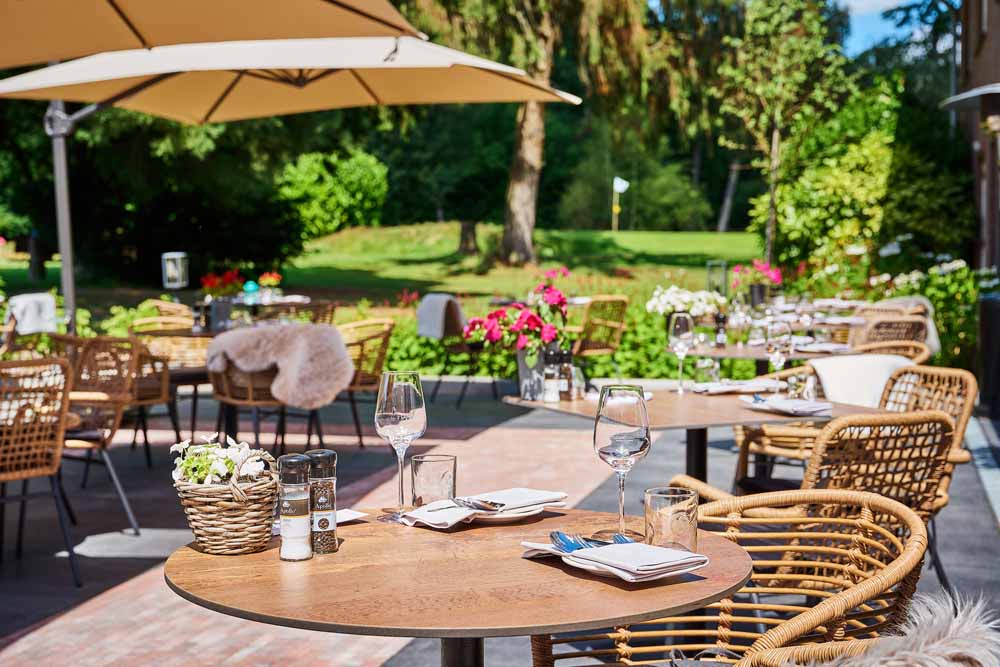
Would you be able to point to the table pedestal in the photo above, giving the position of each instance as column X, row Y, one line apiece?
column 462, row 652
column 697, row 453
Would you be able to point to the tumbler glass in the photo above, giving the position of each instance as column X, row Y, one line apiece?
column 672, row 517
column 433, row 477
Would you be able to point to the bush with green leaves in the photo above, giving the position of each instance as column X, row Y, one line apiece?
column 328, row 191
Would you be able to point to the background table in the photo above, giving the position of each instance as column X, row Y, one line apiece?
column 460, row 586
column 757, row 353
column 695, row 413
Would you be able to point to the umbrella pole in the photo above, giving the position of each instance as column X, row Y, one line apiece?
column 58, row 126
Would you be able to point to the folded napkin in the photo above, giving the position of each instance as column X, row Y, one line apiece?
column 633, row 562
column 826, row 348
column 443, row 514
column 755, row 386
column 787, row 317
column 853, row 320
column 798, row 341
column 790, row 406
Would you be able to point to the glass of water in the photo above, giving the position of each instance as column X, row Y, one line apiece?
column 432, row 477
column 672, row 517
column 779, row 344
column 400, row 418
column 621, row 438
column 681, row 333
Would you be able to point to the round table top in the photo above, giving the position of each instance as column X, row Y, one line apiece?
column 471, row 581
column 745, row 351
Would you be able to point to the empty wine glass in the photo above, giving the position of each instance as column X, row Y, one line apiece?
column 757, row 335
column 681, row 332
column 779, row 344
column 621, row 438
column 400, row 418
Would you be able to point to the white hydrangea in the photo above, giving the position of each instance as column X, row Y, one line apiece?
column 674, row 299
column 890, row 249
column 948, row 267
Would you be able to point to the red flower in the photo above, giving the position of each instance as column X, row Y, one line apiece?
column 231, row 276
column 522, row 342
column 493, row 331
column 209, row 281
column 554, row 297
column 499, row 314
column 552, row 274
column 549, row 333
column 527, row 320
column 473, row 324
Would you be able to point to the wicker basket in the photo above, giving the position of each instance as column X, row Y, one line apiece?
column 234, row 518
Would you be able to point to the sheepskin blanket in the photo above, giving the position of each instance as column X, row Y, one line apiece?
column 312, row 360
column 934, row 635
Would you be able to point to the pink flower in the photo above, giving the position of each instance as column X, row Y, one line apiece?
column 552, row 274
column 522, row 342
column 549, row 333
column 527, row 320
column 493, row 331
column 499, row 314
column 541, row 287
column 554, row 297
column 738, row 268
column 473, row 324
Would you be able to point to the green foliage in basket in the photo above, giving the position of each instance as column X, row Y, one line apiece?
column 212, row 463
column 122, row 317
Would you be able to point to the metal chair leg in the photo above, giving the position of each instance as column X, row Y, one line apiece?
column 174, row 415
column 936, row 560
column 194, row 410
column 309, row 431
column 496, row 391
column 143, row 420
column 319, row 428
column 19, row 550
column 65, row 498
column 86, row 469
column 67, row 536
column 121, row 492
column 3, row 516
column 357, row 421
column 255, row 415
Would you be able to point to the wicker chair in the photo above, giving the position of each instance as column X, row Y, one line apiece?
column 171, row 308
column 853, row 556
column 368, row 343
column 152, row 388
column 316, row 312
column 917, row 351
column 186, row 359
column 161, row 323
column 34, row 397
column 104, row 374
column 601, row 332
column 900, row 328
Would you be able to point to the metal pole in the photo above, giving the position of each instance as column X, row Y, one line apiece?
column 58, row 126
column 615, row 210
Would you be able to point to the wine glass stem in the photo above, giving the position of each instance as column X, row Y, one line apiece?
column 400, row 448
column 680, row 373
column 621, row 501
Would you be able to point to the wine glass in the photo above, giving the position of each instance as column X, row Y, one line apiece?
column 400, row 418
column 621, row 437
column 681, row 332
column 779, row 344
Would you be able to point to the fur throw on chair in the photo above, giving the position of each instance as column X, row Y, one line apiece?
column 313, row 363
column 934, row 635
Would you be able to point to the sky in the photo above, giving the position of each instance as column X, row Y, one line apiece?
column 867, row 25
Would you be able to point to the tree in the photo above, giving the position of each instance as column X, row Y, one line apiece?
column 784, row 77
column 529, row 34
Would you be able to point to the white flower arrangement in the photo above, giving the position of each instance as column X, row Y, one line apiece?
column 212, row 463
column 948, row 267
column 674, row 299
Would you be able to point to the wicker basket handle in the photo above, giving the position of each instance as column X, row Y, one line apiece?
column 238, row 494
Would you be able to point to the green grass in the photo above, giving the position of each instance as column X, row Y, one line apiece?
column 378, row 264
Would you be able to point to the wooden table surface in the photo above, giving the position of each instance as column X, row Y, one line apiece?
column 754, row 352
column 669, row 410
column 470, row 582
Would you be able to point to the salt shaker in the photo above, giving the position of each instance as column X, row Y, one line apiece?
column 323, row 500
column 293, row 506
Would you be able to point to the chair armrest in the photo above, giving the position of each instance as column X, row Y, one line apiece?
column 574, row 329
column 705, row 490
column 959, row 456
column 806, row 654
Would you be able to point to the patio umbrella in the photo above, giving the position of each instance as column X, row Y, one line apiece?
column 214, row 82
column 38, row 31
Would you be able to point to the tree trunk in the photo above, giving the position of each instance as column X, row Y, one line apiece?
column 772, row 191
column 697, row 158
column 36, row 260
column 439, row 209
column 526, row 165
column 467, row 239
column 726, row 211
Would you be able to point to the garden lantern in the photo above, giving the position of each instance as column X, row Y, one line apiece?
column 175, row 270
column 716, row 276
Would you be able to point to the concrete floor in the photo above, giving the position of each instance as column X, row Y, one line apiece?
column 36, row 589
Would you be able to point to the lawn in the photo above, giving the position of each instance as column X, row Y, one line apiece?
column 378, row 264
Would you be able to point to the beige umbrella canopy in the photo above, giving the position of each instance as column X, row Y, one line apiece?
column 199, row 83
column 36, row 31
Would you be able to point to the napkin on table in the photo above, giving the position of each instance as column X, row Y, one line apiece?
column 443, row 514
column 790, row 406
column 633, row 562
column 755, row 386
column 827, row 348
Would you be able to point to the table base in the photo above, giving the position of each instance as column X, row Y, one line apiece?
column 697, row 453
column 462, row 652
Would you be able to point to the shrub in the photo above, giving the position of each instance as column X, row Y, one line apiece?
column 328, row 192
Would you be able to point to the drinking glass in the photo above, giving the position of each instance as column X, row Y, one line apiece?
column 681, row 332
column 400, row 418
column 757, row 335
column 707, row 370
column 621, row 438
column 779, row 344
column 432, row 477
column 672, row 517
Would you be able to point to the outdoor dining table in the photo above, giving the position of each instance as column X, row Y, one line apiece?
column 459, row 586
column 695, row 413
column 757, row 353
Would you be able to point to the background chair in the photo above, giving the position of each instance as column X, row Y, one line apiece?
column 829, row 565
column 914, row 350
column 34, row 397
column 185, row 356
column 885, row 329
column 601, row 332
column 152, row 388
column 316, row 312
column 368, row 344
column 171, row 308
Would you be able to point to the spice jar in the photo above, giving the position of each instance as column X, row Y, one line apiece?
column 293, row 507
column 550, row 384
column 323, row 500
column 565, row 375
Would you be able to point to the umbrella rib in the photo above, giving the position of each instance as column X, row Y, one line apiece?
column 522, row 80
column 126, row 21
column 223, row 96
column 354, row 10
column 364, row 85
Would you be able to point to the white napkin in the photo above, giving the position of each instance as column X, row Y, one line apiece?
column 443, row 514
column 801, row 340
column 633, row 562
column 790, row 406
column 853, row 320
column 826, row 348
column 755, row 386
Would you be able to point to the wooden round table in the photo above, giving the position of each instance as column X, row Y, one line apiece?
column 459, row 586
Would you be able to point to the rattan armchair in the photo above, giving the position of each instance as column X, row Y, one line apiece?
column 368, row 344
column 316, row 312
column 829, row 565
column 915, row 350
column 185, row 355
column 161, row 323
column 601, row 332
column 898, row 328
column 152, row 388
column 171, row 308
column 104, row 373
column 34, row 397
